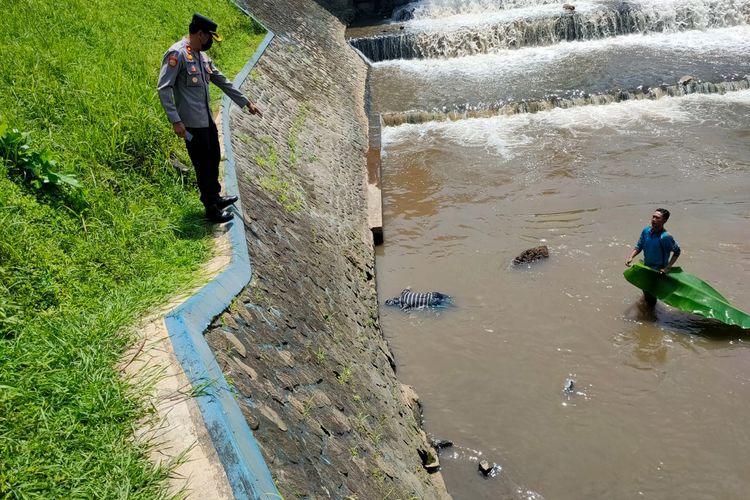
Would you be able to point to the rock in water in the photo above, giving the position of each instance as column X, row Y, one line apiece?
column 485, row 468
column 685, row 80
column 405, row 14
column 439, row 444
column 570, row 386
column 532, row 254
column 569, row 7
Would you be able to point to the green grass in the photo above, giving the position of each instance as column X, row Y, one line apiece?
column 78, row 266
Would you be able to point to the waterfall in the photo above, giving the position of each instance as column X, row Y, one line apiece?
column 432, row 9
column 552, row 102
column 605, row 20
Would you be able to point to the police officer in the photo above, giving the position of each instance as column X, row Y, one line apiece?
column 183, row 90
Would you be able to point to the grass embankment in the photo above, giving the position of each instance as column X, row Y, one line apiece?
column 78, row 266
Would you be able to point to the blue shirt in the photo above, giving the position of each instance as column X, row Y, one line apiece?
column 656, row 247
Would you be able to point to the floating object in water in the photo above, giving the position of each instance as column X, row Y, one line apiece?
column 485, row 468
column 685, row 80
column 418, row 300
column 570, row 386
column 532, row 254
column 439, row 444
column 687, row 293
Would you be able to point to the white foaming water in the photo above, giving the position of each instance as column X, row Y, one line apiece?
column 473, row 19
column 427, row 9
column 471, row 33
column 505, row 134
column 735, row 40
column 691, row 14
column 438, row 9
column 439, row 15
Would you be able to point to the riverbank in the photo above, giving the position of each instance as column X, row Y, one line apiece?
column 80, row 265
column 301, row 346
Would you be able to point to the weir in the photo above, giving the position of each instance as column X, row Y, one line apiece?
column 567, row 70
column 421, row 40
column 534, row 106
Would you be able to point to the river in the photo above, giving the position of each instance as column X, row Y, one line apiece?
column 661, row 399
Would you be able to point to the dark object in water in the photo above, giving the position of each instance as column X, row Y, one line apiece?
column 404, row 14
column 532, row 254
column 570, row 386
column 418, row 300
column 485, row 468
column 685, row 80
column 569, row 7
column 439, row 444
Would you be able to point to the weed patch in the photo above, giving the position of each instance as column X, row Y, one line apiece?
column 274, row 181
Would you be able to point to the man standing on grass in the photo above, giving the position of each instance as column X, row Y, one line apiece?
column 183, row 90
column 657, row 245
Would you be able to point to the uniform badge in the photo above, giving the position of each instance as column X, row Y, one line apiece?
column 192, row 68
column 195, row 79
column 190, row 57
column 173, row 61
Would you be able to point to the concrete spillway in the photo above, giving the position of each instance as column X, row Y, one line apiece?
column 534, row 106
column 464, row 35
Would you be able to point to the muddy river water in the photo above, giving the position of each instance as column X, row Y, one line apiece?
column 661, row 400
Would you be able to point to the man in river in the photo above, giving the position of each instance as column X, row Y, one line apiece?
column 657, row 245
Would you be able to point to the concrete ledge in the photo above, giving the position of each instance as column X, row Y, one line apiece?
column 240, row 455
column 374, row 188
column 374, row 155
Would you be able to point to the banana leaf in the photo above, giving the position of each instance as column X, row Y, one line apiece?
column 687, row 293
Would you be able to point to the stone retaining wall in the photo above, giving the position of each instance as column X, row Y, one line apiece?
column 360, row 10
column 301, row 346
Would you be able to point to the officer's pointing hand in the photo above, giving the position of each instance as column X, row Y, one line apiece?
column 179, row 129
column 253, row 109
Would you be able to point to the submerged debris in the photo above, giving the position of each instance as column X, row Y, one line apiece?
column 439, row 444
column 532, row 254
column 570, row 386
column 485, row 468
column 685, row 80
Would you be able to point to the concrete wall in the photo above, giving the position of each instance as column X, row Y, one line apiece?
column 301, row 345
column 348, row 10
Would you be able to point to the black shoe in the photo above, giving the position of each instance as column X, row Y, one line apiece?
column 225, row 201
column 213, row 214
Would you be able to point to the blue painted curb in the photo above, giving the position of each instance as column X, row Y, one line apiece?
column 240, row 455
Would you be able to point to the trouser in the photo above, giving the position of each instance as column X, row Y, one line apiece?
column 205, row 153
column 650, row 299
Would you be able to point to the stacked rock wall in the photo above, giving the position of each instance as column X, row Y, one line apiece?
column 301, row 346
column 348, row 10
